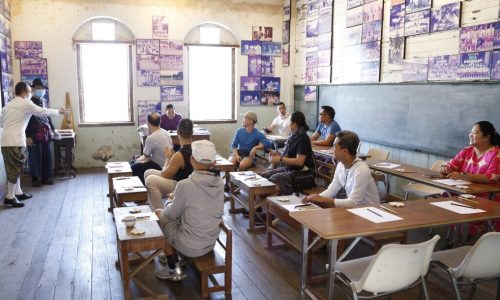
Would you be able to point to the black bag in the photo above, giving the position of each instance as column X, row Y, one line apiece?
column 302, row 180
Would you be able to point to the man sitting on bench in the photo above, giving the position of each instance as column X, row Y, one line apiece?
column 353, row 184
column 190, row 221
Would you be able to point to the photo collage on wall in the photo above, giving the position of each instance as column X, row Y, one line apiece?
column 160, row 63
column 33, row 65
column 319, row 39
column 261, row 87
column 285, row 50
column 6, row 59
column 363, row 40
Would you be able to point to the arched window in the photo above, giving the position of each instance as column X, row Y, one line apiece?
column 104, row 55
column 211, row 72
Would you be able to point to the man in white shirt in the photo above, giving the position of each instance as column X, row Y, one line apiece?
column 281, row 123
column 153, row 154
column 353, row 184
column 14, row 119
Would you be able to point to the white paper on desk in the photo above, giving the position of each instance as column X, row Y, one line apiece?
column 457, row 209
column 367, row 214
column 260, row 182
column 246, row 173
column 292, row 207
column 386, row 165
column 452, row 181
column 144, row 217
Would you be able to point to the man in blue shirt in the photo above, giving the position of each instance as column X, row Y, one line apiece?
column 327, row 129
column 246, row 141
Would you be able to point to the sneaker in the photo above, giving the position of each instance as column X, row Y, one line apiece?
column 175, row 274
column 12, row 202
column 163, row 259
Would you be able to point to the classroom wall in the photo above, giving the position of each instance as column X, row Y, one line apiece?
column 54, row 23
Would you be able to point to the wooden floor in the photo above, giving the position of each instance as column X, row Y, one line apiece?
column 62, row 245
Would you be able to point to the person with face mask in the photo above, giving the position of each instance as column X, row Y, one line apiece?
column 14, row 120
column 38, row 139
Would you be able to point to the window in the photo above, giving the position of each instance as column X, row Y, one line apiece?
column 104, row 73
column 211, row 73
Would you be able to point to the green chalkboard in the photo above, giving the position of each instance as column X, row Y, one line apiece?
column 310, row 109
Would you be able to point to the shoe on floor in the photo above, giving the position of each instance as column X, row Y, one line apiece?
column 23, row 196
column 163, row 259
column 12, row 202
column 175, row 274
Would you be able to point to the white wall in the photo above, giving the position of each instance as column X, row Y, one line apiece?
column 54, row 23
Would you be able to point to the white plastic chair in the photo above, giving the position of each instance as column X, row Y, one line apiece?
column 472, row 264
column 394, row 268
column 422, row 190
column 378, row 154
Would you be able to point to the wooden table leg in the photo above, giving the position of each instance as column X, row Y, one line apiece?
column 251, row 211
column 125, row 269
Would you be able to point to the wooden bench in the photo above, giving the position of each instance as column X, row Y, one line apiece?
column 116, row 169
column 214, row 263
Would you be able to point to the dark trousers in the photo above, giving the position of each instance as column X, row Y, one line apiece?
column 40, row 160
column 138, row 169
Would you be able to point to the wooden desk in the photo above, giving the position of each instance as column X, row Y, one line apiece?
column 416, row 174
column 224, row 165
column 275, row 138
column 128, row 189
column 116, row 169
column 337, row 223
column 251, row 191
column 151, row 240
column 198, row 134
column 328, row 152
column 63, row 154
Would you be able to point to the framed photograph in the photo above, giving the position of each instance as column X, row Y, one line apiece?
column 286, row 32
column 169, row 77
column 312, row 42
column 325, row 24
column 269, row 98
column 27, row 49
column 417, row 5
column 5, row 26
column 477, row 38
column 312, row 28
column 171, row 62
column 324, row 41
column 396, row 51
column 353, row 35
column 270, row 84
column 170, row 47
column 285, row 55
column 371, row 32
column 251, row 48
column 310, row 94
column 373, row 11
column 496, row 36
column 311, row 60
column 249, row 98
column 34, row 66
column 397, row 21
column 148, row 78
column 354, row 3
column 160, row 27
column 254, row 65
column 474, row 66
column 370, row 52
column 6, row 8
column 270, row 48
column 145, row 107
column 268, row 65
column 397, row 2
column 324, row 74
column 354, row 17
column 250, row 84
column 495, row 65
column 370, row 72
column 446, row 17
column 171, row 93
column 262, row 33
column 324, row 58
column 148, row 62
column 415, row 69
column 311, row 75
column 417, row 23
column 147, row 46
column 312, row 9
column 325, row 7
column 442, row 67
column 286, row 10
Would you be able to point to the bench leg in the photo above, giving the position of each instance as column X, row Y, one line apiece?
column 125, row 270
column 204, row 284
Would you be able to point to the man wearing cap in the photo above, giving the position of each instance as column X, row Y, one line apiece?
column 38, row 138
column 190, row 221
column 14, row 120
column 246, row 141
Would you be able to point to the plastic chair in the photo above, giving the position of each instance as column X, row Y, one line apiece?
column 471, row 264
column 394, row 268
column 378, row 154
column 422, row 190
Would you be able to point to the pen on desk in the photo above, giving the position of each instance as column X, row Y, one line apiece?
column 462, row 205
column 469, row 200
column 138, row 187
column 303, row 205
column 375, row 213
column 142, row 218
column 388, row 209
